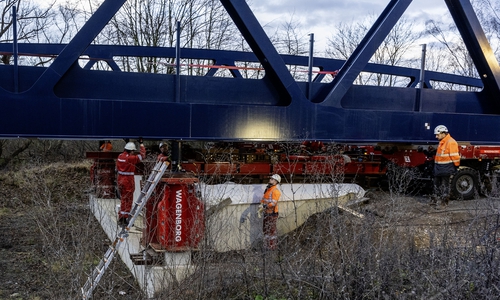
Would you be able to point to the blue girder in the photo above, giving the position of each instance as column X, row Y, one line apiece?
column 66, row 100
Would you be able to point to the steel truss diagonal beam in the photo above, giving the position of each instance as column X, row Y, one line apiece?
column 257, row 39
column 365, row 50
column 478, row 46
column 68, row 101
column 70, row 54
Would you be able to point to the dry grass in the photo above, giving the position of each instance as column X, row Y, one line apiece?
column 402, row 249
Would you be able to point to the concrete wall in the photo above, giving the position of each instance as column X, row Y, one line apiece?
column 237, row 225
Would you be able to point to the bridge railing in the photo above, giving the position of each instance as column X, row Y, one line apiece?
column 206, row 62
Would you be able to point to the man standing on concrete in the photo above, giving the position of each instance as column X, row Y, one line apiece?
column 125, row 165
column 446, row 163
column 269, row 207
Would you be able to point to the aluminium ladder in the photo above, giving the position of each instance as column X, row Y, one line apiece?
column 146, row 192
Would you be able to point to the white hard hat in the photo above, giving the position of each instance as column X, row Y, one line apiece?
column 276, row 177
column 439, row 129
column 130, row 146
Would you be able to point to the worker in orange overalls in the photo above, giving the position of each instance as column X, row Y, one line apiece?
column 125, row 164
column 269, row 206
column 106, row 146
column 446, row 163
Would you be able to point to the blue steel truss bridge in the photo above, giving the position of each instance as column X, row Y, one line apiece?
column 72, row 100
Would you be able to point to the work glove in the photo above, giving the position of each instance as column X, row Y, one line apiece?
column 261, row 210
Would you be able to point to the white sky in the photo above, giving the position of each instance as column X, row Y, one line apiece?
column 318, row 16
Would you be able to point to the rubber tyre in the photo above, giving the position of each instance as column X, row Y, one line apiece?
column 464, row 184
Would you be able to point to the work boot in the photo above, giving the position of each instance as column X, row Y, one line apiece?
column 122, row 221
column 433, row 201
column 445, row 201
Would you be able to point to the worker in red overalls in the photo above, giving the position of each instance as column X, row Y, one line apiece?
column 164, row 155
column 269, row 206
column 125, row 164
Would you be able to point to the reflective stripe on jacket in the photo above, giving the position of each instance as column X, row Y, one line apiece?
column 271, row 197
column 125, row 163
column 447, row 157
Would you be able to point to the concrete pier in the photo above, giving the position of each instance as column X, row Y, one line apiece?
column 150, row 278
column 232, row 226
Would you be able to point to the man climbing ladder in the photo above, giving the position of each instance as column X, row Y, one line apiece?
column 125, row 165
column 146, row 192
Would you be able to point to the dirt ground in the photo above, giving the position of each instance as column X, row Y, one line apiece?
column 49, row 239
column 416, row 210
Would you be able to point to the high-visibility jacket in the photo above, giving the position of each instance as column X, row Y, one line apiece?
column 125, row 164
column 270, row 199
column 106, row 147
column 447, row 157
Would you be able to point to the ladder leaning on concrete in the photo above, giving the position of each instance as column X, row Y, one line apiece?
column 149, row 187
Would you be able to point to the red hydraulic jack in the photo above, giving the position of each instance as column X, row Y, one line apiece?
column 174, row 219
column 102, row 173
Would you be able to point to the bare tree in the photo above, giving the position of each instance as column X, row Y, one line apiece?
column 458, row 59
column 289, row 39
column 32, row 21
column 203, row 23
column 69, row 18
column 344, row 42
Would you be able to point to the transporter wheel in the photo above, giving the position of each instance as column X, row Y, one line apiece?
column 465, row 184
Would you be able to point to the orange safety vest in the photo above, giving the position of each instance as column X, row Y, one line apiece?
column 271, row 197
column 447, row 152
column 106, row 147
